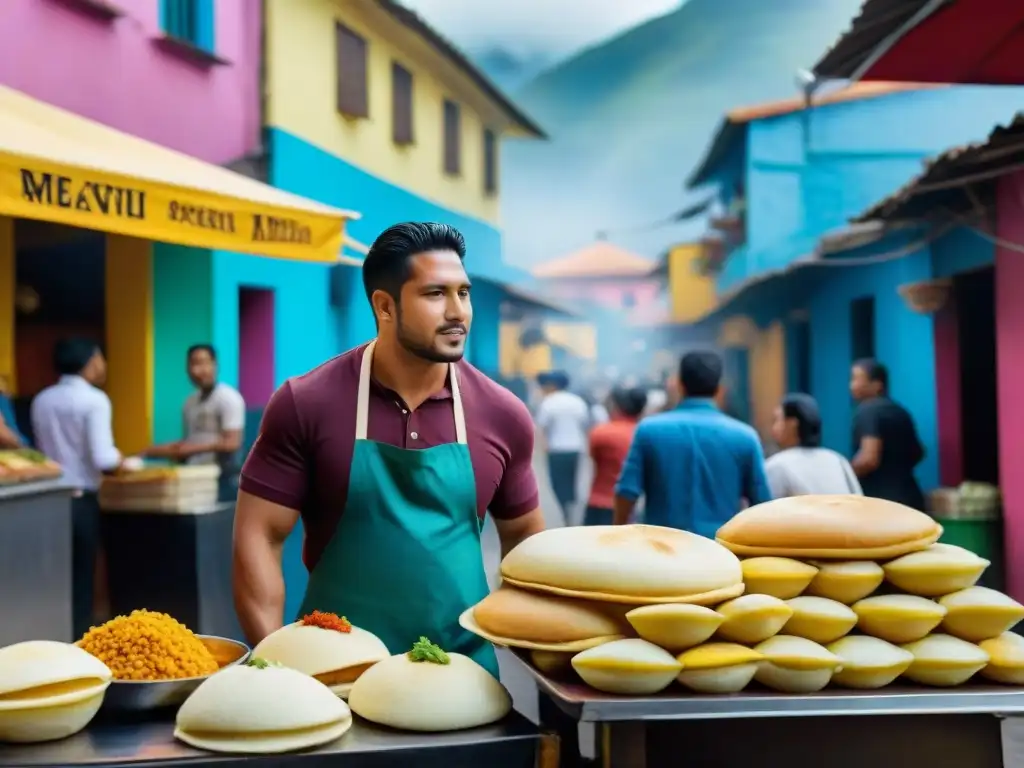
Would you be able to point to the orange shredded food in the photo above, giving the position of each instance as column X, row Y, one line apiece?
column 147, row 645
column 327, row 621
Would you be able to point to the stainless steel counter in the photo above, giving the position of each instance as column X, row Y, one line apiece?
column 884, row 729
column 513, row 743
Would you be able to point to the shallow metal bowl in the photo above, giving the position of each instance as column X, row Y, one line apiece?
column 145, row 695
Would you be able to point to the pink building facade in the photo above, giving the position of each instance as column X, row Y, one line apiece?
column 610, row 293
column 115, row 62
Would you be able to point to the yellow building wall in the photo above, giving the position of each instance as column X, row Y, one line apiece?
column 579, row 338
column 7, row 311
column 129, row 310
column 301, row 84
column 693, row 294
column 767, row 376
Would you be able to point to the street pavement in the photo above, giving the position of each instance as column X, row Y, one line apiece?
column 518, row 682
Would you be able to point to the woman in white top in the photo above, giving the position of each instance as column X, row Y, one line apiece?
column 802, row 466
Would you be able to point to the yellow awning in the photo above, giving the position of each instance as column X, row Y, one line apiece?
column 61, row 167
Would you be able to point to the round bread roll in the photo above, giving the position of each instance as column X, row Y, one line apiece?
column 1006, row 659
column 753, row 618
column 718, row 667
column 429, row 690
column 780, row 577
column 520, row 619
column 819, row 619
column 979, row 613
column 846, row 582
column 258, row 708
column 898, row 618
column 630, row 667
column 936, row 571
column 944, row 661
column 829, row 527
column 795, row 664
column 632, row 564
column 869, row 663
column 39, row 673
column 334, row 658
column 675, row 627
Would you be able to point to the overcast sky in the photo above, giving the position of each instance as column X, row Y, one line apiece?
column 553, row 28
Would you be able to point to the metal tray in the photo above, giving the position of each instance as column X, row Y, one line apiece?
column 149, row 695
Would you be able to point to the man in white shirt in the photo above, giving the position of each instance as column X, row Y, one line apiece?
column 564, row 419
column 213, row 422
column 72, row 425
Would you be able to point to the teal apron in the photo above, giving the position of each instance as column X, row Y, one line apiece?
column 405, row 559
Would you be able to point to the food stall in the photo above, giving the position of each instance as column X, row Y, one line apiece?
column 189, row 574
column 815, row 631
column 143, row 689
column 35, row 547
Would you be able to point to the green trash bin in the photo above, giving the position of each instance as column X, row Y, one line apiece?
column 975, row 524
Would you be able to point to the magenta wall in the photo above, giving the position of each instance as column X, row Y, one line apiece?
column 113, row 73
column 256, row 353
column 947, row 392
column 1010, row 378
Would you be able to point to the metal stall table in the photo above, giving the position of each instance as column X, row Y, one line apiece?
column 35, row 561
column 512, row 743
column 977, row 726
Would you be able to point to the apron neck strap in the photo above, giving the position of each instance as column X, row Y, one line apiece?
column 363, row 398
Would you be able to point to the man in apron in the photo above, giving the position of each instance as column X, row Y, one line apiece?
column 390, row 454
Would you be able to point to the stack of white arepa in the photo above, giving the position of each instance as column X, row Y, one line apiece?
column 261, row 708
column 48, row 690
column 843, row 590
column 336, row 659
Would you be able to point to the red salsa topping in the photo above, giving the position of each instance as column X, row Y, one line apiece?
column 327, row 621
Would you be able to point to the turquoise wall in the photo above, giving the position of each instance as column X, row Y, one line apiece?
column 182, row 316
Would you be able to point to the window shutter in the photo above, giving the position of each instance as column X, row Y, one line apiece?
column 353, row 93
column 490, row 161
column 452, row 139
column 401, row 105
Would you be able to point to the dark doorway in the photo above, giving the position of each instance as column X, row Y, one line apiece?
column 979, row 414
column 862, row 327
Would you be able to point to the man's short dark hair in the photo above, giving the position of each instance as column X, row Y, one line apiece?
column 207, row 348
column 70, row 356
column 386, row 266
column 630, row 401
column 875, row 371
column 700, row 373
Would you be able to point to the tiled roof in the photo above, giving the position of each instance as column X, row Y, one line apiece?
column 600, row 259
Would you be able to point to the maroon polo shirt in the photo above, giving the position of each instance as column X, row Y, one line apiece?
column 302, row 456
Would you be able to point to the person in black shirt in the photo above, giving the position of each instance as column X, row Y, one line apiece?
column 885, row 443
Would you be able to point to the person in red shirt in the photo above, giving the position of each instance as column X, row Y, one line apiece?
column 609, row 444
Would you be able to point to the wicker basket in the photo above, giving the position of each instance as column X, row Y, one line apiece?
column 928, row 297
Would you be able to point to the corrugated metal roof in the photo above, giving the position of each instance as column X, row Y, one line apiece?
column 599, row 259
column 877, row 21
column 940, row 186
column 412, row 21
column 733, row 127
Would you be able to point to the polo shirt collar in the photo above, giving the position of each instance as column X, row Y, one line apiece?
column 697, row 404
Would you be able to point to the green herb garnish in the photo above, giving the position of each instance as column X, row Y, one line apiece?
column 424, row 650
column 259, row 663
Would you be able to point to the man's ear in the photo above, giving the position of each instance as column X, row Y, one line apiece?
column 383, row 306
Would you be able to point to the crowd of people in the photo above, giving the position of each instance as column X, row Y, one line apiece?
column 693, row 466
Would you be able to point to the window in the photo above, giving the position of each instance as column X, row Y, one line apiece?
column 490, row 162
column 190, row 21
column 353, row 93
column 452, row 139
column 401, row 105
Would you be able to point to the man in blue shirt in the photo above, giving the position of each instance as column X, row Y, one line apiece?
column 694, row 465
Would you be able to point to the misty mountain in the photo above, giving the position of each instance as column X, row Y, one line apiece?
column 629, row 118
column 507, row 69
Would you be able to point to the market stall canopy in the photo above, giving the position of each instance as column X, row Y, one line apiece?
column 61, row 167
column 931, row 41
column 956, row 182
